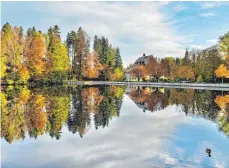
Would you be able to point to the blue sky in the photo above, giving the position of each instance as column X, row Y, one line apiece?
column 158, row 28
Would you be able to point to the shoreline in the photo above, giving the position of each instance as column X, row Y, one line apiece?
column 202, row 86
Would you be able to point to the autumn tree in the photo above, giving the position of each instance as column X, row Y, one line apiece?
column 185, row 72
column 164, row 66
column 153, row 67
column 34, row 52
column 2, row 60
column 91, row 66
column 139, row 71
column 222, row 72
column 11, row 50
column 23, row 73
column 57, row 56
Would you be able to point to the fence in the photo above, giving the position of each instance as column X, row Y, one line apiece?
column 207, row 86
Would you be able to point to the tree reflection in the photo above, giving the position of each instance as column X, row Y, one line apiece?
column 213, row 105
column 37, row 111
column 223, row 116
column 79, row 120
column 110, row 106
column 13, row 105
column 34, row 115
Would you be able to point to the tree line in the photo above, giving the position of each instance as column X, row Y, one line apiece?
column 208, row 65
column 36, row 56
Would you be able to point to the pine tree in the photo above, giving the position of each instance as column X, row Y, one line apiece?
column 118, row 59
column 78, row 44
column 71, row 40
column 186, row 60
column 57, row 55
column 104, row 51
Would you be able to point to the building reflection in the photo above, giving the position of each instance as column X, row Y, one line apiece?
column 212, row 105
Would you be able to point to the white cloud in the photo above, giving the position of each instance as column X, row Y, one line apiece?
column 196, row 46
column 147, row 29
column 212, row 41
column 208, row 5
column 179, row 7
column 207, row 14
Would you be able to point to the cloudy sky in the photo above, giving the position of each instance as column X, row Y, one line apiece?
column 158, row 28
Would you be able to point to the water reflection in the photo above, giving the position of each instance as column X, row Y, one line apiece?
column 46, row 110
column 37, row 111
column 212, row 105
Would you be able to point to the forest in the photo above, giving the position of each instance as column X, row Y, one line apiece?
column 207, row 65
column 39, row 57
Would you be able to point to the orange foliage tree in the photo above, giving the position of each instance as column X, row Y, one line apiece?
column 91, row 66
column 153, row 67
column 36, row 118
column 139, row 71
column 34, row 52
column 23, row 72
column 183, row 72
column 91, row 99
column 222, row 101
column 222, row 72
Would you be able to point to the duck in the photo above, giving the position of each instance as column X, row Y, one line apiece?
column 208, row 151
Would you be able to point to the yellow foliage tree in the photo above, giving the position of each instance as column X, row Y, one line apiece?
column 183, row 72
column 222, row 72
column 116, row 75
column 222, row 101
column 23, row 72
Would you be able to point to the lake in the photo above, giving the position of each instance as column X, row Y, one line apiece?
column 113, row 126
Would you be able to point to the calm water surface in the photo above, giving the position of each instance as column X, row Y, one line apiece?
column 113, row 126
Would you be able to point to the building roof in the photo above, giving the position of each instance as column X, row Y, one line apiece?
column 142, row 60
